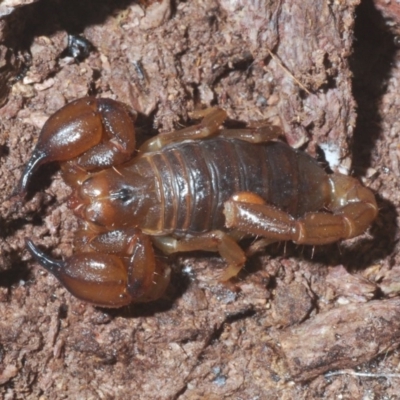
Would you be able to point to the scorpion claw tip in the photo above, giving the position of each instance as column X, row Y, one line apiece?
column 43, row 259
column 38, row 158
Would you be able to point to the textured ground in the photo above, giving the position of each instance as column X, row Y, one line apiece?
column 297, row 313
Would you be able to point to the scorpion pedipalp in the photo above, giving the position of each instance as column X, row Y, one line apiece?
column 110, row 280
column 100, row 279
column 99, row 130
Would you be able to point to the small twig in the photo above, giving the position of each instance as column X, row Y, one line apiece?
column 362, row 374
column 279, row 62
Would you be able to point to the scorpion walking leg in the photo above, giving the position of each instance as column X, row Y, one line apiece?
column 353, row 206
column 118, row 268
column 217, row 241
column 209, row 126
column 257, row 134
column 213, row 118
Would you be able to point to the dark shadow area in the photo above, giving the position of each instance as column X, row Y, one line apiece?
column 10, row 227
column 138, row 310
column 241, row 64
column 47, row 16
column 371, row 63
column 17, row 273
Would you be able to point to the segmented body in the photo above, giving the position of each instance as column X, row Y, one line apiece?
column 195, row 179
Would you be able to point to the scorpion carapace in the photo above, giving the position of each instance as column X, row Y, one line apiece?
column 199, row 188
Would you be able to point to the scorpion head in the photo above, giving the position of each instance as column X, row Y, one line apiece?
column 112, row 200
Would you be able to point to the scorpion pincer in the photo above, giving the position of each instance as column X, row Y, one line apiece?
column 199, row 188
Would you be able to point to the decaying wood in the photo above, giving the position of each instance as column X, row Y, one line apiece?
column 344, row 337
column 329, row 79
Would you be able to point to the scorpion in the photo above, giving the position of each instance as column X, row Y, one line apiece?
column 204, row 187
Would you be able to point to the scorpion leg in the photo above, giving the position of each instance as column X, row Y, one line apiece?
column 258, row 245
column 96, row 133
column 213, row 118
column 119, row 268
column 259, row 134
column 353, row 207
column 217, row 241
column 209, row 126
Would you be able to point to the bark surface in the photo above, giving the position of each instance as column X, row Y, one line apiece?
column 329, row 79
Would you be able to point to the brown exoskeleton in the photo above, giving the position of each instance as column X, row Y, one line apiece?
column 199, row 188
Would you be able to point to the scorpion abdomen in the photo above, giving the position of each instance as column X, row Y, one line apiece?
column 195, row 178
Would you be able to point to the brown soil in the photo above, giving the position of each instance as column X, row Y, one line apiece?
column 327, row 73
